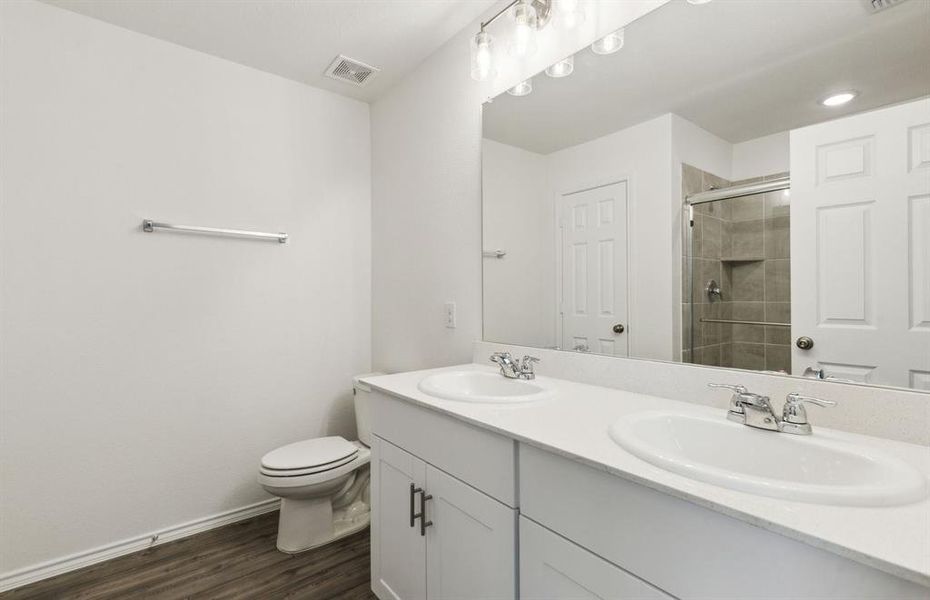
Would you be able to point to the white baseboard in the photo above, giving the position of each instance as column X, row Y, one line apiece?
column 76, row 561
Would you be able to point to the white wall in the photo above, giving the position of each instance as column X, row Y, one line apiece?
column 762, row 156
column 426, row 194
column 144, row 375
column 514, row 213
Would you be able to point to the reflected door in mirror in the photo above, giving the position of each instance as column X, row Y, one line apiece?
column 593, row 273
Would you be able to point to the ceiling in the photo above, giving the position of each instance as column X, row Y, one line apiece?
column 739, row 69
column 298, row 39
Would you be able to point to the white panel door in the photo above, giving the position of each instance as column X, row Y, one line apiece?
column 860, row 246
column 553, row 568
column 398, row 551
column 471, row 544
column 593, row 226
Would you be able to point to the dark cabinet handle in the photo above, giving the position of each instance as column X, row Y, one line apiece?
column 414, row 490
column 423, row 522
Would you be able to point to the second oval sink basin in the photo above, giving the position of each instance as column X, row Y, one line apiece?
column 779, row 465
column 480, row 386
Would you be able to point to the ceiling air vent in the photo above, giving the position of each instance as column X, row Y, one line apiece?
column 878, row 5
column 351, row 71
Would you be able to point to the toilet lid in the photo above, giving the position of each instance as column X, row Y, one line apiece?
column 310, row 453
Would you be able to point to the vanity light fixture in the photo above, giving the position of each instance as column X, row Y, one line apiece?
column 610, row 43
column 482, row 61
column 528, row 17
column 524, row 88
column 563, row 68
column 839, row 99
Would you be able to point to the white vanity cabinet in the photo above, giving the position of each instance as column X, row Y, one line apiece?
column 435, row 535
column 685, row 550
column 553, row 568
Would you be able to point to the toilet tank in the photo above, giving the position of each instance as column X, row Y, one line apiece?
column 362, row 394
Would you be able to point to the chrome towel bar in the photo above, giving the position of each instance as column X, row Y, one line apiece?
column 150, row 226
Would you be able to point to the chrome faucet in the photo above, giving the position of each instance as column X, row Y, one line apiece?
column 756, row 410
column 515, row 369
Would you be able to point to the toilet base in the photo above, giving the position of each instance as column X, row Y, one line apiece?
column 305, row 524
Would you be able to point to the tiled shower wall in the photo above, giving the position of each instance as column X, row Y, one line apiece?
column 743, row 244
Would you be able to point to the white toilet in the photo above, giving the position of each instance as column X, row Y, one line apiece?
column 322, row 483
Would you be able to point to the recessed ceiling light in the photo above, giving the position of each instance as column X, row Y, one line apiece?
column 610, row 43
column 698, row 1
column 839, row 99
column 563, row 68
column 521, row 89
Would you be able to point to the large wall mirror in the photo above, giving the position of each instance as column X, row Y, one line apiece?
column 742, row 184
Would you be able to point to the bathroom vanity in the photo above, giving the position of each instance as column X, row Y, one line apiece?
column 531, row 497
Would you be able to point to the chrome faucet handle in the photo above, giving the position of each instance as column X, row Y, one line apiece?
column 528, row 361
column 526, row 367
column 499, row 357
column 794, row 411
column 739, row 389
column 738, row 392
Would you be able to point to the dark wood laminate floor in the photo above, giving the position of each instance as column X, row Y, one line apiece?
column 236, row 561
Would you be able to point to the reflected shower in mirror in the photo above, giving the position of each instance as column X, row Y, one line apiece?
column 742, row 185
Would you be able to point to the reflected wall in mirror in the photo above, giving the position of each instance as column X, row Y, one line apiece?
column 702, row 195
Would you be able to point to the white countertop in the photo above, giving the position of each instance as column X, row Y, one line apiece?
column 574, row 424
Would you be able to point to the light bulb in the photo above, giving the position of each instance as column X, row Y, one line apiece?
column 482, row 62
column 521, row 89
column 610, row 43
column 570, row 15
column 523, row 43
column 563, row 68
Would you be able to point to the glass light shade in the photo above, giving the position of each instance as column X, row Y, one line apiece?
column 523, row 42
column 482, row 60
column 569, row 15
column 610, row 43
column 563, row 68
column 521, row 89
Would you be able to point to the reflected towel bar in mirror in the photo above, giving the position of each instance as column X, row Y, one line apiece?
column 150, row 226
column 739, row 322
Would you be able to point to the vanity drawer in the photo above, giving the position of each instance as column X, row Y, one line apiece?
column 482, row 459
column 685, row 549
column 553, row 568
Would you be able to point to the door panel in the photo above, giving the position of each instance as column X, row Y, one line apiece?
column 860, row 255
column 553, row 568
column 471, row 550
column 398, row 551
column 594, row 269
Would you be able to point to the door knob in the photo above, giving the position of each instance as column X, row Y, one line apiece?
column 804, row 343
column 619, row 328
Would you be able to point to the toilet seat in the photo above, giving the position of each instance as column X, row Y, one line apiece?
column 358, row 456
column 309, row 457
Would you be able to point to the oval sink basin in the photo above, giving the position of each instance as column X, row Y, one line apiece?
column 779, row 465
column 479, row 386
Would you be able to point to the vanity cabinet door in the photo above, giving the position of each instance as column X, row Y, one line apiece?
column 470, row 546
column 398, row 551
column 553, row 568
